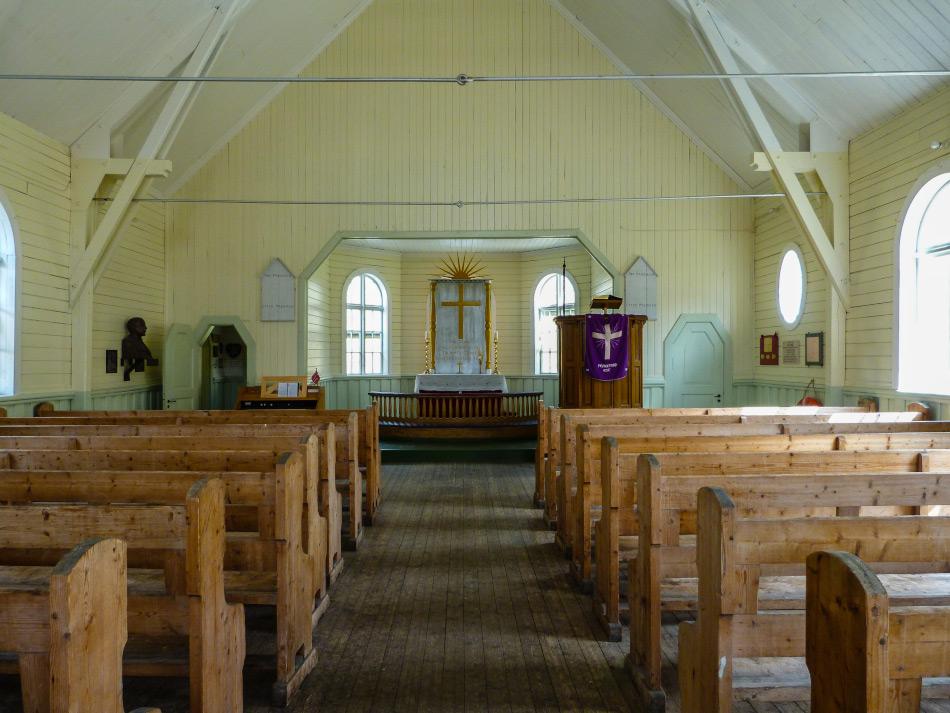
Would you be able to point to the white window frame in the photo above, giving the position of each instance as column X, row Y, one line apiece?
column 787, row 248
column 362, row 274
column 907, row 377
column 535, row 318
column 10, row 260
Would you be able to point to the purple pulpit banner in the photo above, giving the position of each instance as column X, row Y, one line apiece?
column 606, row 340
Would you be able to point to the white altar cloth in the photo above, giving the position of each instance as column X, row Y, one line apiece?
column 461, row 382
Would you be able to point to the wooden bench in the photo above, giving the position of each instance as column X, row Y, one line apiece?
column 606, row 501
column 367, row 453
column 667, row 484
column 549, row 422
column 734, row 556
column 267, row 562
column 69, row 655
column 865, row 655
column 566, row 478
column 346, row 474
column 318, row 450
column 179, row 623
column 610, row 499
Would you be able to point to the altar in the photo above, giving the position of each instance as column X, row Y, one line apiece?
column 459, row 383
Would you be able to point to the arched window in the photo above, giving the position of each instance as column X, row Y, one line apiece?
column 553, row 296
column 7, row 304
column 923, row 327
column 365, row 337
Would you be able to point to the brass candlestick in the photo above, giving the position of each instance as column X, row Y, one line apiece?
column 495, row 354
column 428, row 354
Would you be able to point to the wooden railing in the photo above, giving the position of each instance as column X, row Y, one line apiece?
column 471, row 409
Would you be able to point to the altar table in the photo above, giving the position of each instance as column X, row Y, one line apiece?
column 461, row 383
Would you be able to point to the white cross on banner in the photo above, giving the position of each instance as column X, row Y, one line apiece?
column 608, row 338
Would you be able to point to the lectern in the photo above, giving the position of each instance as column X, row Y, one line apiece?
column 577, row 388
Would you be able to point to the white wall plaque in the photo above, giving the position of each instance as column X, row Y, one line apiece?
column 278, row 293
column 640, row 288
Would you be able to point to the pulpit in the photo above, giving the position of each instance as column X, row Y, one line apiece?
column 580, row 390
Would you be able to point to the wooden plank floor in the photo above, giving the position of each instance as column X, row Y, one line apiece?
column 456, row 601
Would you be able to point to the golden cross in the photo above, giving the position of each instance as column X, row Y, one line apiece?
column 461, row 304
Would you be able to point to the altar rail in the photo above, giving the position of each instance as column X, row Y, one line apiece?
column 458, row 415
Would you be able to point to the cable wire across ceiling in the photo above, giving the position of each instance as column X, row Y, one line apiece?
column 459, row 203
column 463, row 79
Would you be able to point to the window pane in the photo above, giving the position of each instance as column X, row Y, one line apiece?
column 569, row 296
column 547, row 291
column 374, row 294
column 353, row 342
column 374, row 343
column 374, row 320
column 935, row 226
column 353, row 291
column 353, row 320
column 791, row 287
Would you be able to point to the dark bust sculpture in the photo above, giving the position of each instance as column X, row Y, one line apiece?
column 135, row 355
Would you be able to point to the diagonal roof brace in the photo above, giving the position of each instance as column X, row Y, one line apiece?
column 833, row 256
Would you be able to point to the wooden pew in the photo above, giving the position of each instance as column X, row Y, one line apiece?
column 547, row 458
column 798, row 429
column 69, row 655
column 367, row 453
column 266, row 560
column 865, row 655
column 549, row 442
column 347, row 475
column 607, row 498
column 734, row 554
column 318, row 450
column 667, row 484
column 566, row 478
column 179, row 623
column 614, row 491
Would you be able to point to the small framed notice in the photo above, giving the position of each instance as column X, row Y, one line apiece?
column 768, row 349
column 791, row 352
column 815, row 349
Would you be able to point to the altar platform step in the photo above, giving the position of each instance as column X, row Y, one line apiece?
column 457, row 451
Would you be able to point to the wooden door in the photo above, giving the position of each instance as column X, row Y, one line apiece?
column 697, row 366
column 180, row 368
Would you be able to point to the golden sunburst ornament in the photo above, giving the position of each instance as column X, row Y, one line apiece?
column 461, row 267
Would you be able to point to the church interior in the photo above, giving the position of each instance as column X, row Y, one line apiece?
column 475, row 355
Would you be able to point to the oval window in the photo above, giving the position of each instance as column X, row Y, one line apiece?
column 791, row 287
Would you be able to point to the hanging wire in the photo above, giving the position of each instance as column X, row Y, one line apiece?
column 463, row 79
column 459, row 203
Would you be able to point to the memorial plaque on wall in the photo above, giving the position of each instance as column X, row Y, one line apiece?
column 640, row 288
column 792, row 352
column 278, row 293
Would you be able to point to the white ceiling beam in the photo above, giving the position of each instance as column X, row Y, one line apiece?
column 153, row 147
column 796, row 105
column 95, row 140
column 832, row 256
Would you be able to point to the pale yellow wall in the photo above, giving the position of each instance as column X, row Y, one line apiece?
column 776, row 231
column 133, row 286
column 449, row 142
column 34, row 179
column 884, row 165
column 35, row 182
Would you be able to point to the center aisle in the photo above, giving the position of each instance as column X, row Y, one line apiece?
column 457, row 600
